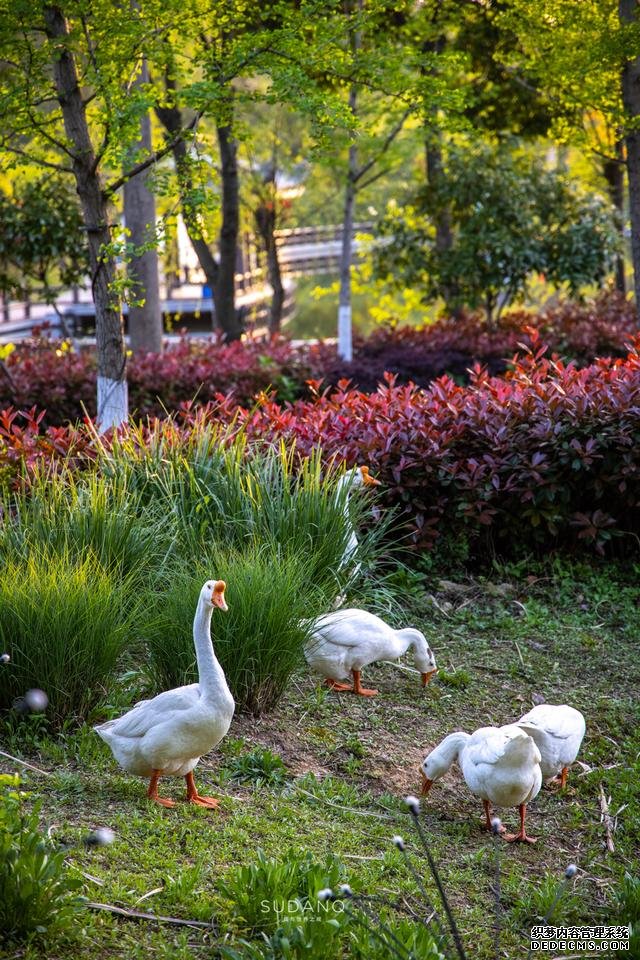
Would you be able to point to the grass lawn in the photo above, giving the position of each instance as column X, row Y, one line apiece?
column 565, row 634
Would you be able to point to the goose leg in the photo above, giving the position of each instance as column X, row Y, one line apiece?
column 336, row 685
column 152, row 792
column 561, row 780
column 194, row 797
column 521, row 836
column 358, row 688
column 488, row 824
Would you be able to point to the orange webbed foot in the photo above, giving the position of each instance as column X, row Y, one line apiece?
column 519, row 838
column 340, row 687
column 210, row 802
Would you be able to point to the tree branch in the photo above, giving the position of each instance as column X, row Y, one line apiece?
column 385, row 146
column 154, row 157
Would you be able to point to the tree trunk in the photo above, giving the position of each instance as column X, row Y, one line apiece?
column 224, row 291
column 171, row 119
column 345, row 344
column 110, row 347
column 613, row 171
column 628, row 13
column 265, row 217
column 145, row 321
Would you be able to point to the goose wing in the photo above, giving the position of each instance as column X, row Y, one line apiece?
column 147, row 713
column 349, row 628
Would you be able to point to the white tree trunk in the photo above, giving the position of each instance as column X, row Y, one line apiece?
column 345, row 348
column 113, row 403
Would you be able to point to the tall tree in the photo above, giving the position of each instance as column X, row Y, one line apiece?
column 67, row 103
column 583, row 55
column 145, row 316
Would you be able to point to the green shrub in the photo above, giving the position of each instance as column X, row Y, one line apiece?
column 64, row 623
column 259, row 766
column 234, row 493
column 38, row 896
column 258, row 642
column 268, row 895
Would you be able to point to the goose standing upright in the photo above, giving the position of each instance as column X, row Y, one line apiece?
column 345, row 641
column 501, row 765
column 352, row 480
column 557, row 731
column 166, row 736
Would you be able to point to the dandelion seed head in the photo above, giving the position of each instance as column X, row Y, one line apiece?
column 100, row 837
column 36, row 700
column 413, row 805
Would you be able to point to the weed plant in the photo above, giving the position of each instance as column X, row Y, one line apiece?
column 38, row 895
column 64, row 622
column 260, row 766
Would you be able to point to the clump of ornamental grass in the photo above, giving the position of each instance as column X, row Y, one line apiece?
column 80, row 513
column 64, row 622
column 259, row 641
column 209, row 483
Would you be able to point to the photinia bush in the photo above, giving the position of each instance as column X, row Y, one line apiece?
column 580, row 332
column 546, row 456
column 48, row 373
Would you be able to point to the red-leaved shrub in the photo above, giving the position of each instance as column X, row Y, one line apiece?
column 48, row 373
column 579, row 332
column 547, row 456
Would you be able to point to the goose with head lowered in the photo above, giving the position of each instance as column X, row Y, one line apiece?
column 501, row 765
column 345, row 641
column 166, row 736
column 557, row 731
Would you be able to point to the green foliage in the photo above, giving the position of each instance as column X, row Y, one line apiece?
column 64, row 622
column 269, row 895
column 38, row 896
column 43, row 247
column 416, row 938
column 627, row 909
column 511, row 217
column 80, row 514
column 259, row 766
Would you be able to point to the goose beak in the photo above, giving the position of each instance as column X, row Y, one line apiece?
column 368, row 480
column 426, row 677
column 217, row 597
column 426, row 783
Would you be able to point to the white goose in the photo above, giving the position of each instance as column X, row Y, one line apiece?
column 352, row 480
column 344, row 642
column 557, row 732
column 166, row 736
column 501, row 765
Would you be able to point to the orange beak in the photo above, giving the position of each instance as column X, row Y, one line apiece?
column 217, row 597
column 368, row 480
column 426, row 783
column 426, row 677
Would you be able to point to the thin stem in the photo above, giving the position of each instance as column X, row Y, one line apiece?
column 441, row 891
